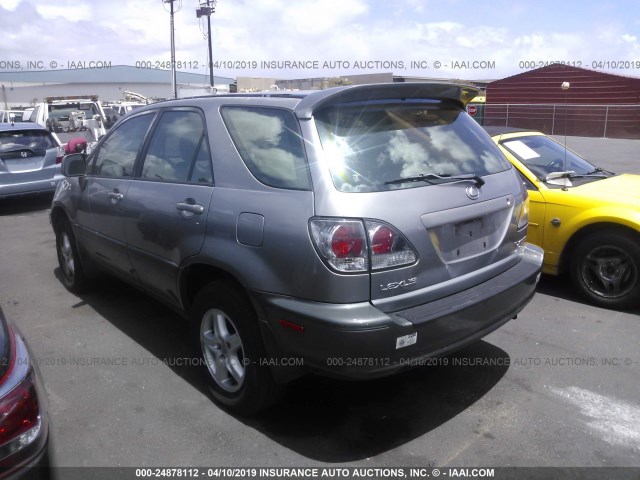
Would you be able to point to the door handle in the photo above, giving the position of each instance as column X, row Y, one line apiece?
column 190, row 207
column 115, row 197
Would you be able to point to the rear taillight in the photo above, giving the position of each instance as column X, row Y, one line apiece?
column 347, row 241
column 355, row 246
column 19, row 413
column 523, row 216
column 341, row 243
column 389, row 248
column 59, row 155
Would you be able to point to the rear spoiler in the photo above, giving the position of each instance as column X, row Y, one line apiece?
column 461, row 94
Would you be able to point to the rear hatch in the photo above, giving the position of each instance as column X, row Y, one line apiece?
column 27, row 156
column 426, row 176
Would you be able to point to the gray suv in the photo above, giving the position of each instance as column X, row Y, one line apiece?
column 352, row 231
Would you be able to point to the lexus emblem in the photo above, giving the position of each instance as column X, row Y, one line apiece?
column 473, row 192
column 23, row 154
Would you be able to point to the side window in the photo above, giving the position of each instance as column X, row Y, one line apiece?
column 270, row 144
column 117, row 154
column 202, row 172
column 178, row 151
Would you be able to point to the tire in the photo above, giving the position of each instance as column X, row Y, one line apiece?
column 72, row 273
column 227, row 338
column 605, row 269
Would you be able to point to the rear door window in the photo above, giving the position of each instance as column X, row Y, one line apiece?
column 270, row 144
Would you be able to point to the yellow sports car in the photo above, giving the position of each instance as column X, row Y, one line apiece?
column 585, row 218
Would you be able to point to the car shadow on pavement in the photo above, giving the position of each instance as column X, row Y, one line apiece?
column 157, row 328
column 323, row 419
column 339, row 421
column 25, row 204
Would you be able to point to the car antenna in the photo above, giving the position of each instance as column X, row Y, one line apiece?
column 565, row 87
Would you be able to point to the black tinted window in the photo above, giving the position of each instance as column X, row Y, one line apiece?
column 270, row 144
column 202, row 172
column 37, row 140
column 117, row 154
column 177, row 143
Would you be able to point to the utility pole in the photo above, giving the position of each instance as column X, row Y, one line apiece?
column 174, row 86
column 205, row 10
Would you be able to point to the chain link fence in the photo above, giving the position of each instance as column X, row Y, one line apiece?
column 610, row 121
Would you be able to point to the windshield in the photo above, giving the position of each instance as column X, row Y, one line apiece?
column 543, row 156
column 370, row 148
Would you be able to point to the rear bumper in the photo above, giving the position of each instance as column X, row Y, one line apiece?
column 358, row 341
column 27, row 188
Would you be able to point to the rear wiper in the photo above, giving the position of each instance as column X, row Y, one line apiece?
column 427, row 177
column 18, row 149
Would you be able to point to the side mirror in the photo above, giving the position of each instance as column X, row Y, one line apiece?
column 559, row 178
column 74, row 165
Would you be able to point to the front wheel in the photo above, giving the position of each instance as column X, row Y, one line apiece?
column 227, row 337
column 605, row 269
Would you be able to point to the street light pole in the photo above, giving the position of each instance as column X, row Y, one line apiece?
column 174, row 86
column 206, row 9
column 210, row 48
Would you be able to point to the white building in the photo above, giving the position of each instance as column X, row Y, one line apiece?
column 24, row 88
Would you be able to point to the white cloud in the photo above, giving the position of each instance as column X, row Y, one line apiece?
column 9, row 4
column 333, row 30
column 74, row 13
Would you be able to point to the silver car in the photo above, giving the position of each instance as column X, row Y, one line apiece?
column 352, row 231
column 30, row 158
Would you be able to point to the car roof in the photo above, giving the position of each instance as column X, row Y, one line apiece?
column 493, row 131
column 21, row 126
column 304, row 103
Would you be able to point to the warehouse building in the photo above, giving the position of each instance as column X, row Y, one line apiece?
column 24, row 88
column 593, row 104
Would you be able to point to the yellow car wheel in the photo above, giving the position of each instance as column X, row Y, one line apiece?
column 606, row 269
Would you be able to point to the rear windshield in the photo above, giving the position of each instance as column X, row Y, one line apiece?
column 36, row 140
column 368, row 146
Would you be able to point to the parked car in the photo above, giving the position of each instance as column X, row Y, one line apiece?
column 122, row 108
column 356, row 229
column 7, row 116
column 30, row 158
column 72, row 116
column 585, row 218
column 24, row 418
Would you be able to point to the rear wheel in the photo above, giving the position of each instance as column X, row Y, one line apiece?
column 227, row 337
column 606, row 269
column 71, row 270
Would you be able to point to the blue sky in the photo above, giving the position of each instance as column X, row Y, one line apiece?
column 453, row 39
